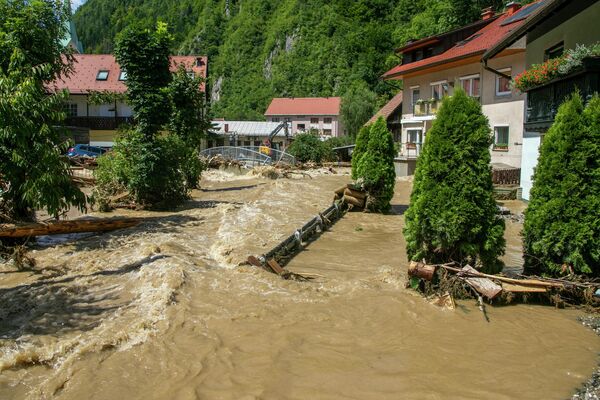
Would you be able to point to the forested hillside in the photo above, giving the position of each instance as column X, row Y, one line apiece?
column 259, row 49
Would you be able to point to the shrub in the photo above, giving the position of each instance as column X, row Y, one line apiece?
column 308, row 147
column 156, row 173
column 562, row 228
column 452, row 213
column 375, row 169
column 334, row 142
column 362, row 141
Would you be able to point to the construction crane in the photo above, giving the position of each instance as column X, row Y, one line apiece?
column 284, row 126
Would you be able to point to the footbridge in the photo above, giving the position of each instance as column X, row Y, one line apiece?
column 252, row 155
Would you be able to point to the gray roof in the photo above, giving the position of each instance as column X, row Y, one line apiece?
column 246, row 128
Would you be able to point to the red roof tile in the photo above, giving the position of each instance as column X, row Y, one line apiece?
column 86, row 66
column 476, row 44
column 305, row 106
column 388, row 109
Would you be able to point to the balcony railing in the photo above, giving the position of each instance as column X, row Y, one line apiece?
column 543, row 101
column 426, row 108
column 99, row 123
column 410, row 150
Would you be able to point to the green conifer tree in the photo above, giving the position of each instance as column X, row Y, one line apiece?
column 562, row 223
column 375, row 169
column 362, row 140
column 452, row 214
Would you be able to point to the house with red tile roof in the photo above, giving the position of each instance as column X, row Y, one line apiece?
column 392, row 113
column 434, row 67
column 97, row 124
column 320, row 114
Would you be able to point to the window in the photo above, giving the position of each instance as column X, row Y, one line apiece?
column 123, row 76
column 439, row 90
column 191, row 74
column 314, row 120
column 275, row 119
column 501, row 138
column 555, row 51
column 71, row 110
column 415, row 94
column 327, row 120
column 470, row 85
column 327, row 132
column 102, row 75
column 414, row 135
column 301, row 127
column 502, row 83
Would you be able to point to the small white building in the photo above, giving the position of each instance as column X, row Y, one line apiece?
column 319, row 114
column 249, row 133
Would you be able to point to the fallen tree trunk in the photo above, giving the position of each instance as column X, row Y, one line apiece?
column 421, row 270
column 62, row 227
column 354, row 201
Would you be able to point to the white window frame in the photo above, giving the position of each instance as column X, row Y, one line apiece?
column 71, row 109
column 412, row 94
column 498, row 77
column 122, row 76
column 470, row 78
column 327, row 120
column 496, row 135
column 440, row 85
column 418, row 135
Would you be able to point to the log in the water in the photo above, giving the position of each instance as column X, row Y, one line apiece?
column 62, row 227
column 355, row 193
column 421, row 270
column 354, row 201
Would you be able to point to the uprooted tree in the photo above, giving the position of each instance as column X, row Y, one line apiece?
column 156, row 160
column 452, row 214
column 373, row 165
column 34, row 174
column 562, row 228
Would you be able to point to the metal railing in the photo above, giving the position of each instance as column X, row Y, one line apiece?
column 255, row 155
column 98, row 123
column 410, row 150
column 426, row 107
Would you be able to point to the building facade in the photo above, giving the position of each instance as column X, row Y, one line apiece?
column 555, row 27
column 249, row 134
column 435, row 67
column 94, row 123
column 317, row 114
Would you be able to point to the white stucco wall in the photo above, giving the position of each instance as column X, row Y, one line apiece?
column 509, row 114
column 531, row 144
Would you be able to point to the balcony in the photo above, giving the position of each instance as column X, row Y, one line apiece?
column 410, row 151
column 98, row 123
column 543, row 101
column 424, row 108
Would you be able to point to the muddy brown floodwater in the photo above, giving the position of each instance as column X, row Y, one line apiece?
column 162, row 311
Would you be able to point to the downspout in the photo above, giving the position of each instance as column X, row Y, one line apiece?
column 494, row 71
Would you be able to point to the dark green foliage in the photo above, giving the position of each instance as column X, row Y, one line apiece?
column 358, row 105
column 144, row 55
column 562, row 220
column 260, row 49
column 150, row 170
column 334, row 142
column 34, row 174
column 452, row 214
column 375, row 170
column 157, row 170
column 308, row 147
column 362, row 140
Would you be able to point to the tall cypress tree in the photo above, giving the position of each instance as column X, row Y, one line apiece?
column 562, row 222
column 452, row 214
column 362, row 140
column 375, row 167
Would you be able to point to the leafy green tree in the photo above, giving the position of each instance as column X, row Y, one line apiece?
column 157, row 170
column 562, row 227
column 362, row 141
column 358, row 105
column 144, row 55
column 452, row 214
column 375, row 169
column 34, row 174
column 308, row 147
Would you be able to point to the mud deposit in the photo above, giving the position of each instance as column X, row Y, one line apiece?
column 163, row 311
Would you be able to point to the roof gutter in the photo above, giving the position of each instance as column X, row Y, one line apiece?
column 494, row 71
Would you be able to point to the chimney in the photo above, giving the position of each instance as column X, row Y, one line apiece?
column 512, row 7
column 487, row 13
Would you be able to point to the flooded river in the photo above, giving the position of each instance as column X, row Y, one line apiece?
column 164, row 311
